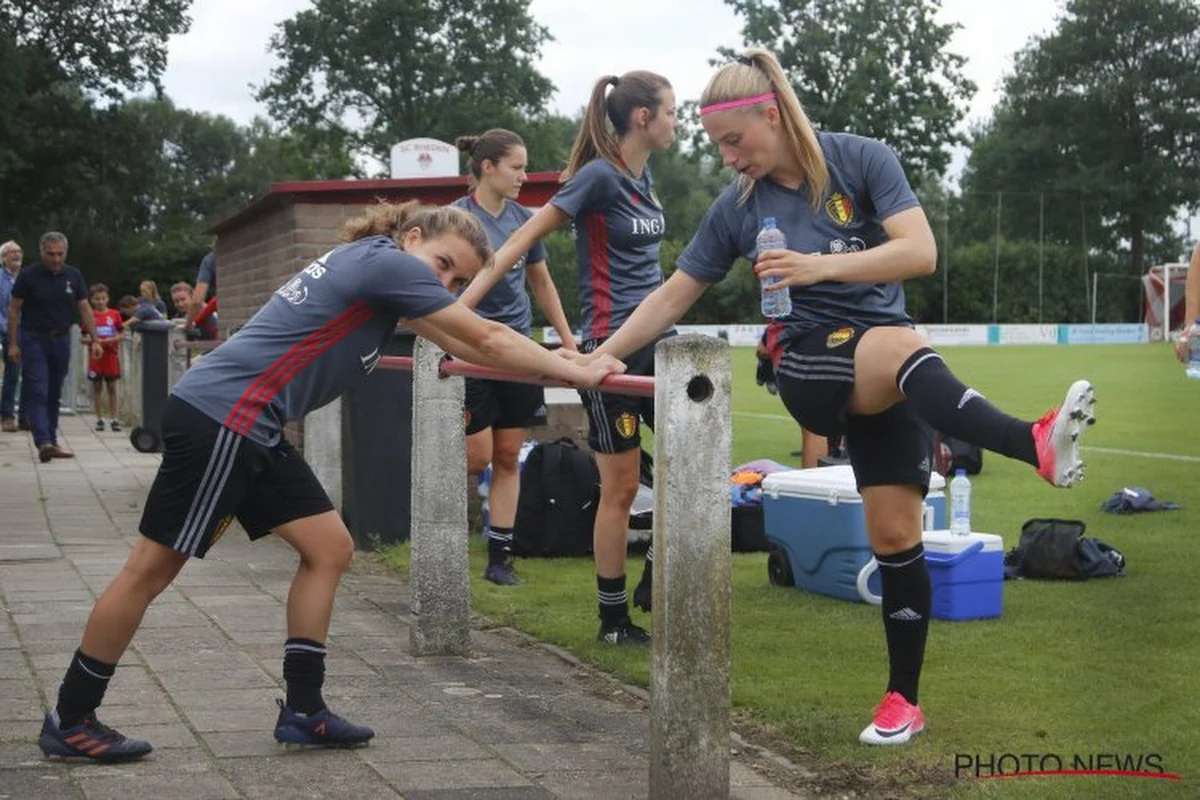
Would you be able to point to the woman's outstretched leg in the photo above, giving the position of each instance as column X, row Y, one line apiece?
column 892, row 364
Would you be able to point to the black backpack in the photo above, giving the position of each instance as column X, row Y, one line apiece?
column 560, row 490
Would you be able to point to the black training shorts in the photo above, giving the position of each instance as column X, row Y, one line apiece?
column 502, row 404
column 816, row 376
column 210, row 475
column 614, row 419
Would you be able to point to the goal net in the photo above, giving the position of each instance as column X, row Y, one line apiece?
column 1164, row 298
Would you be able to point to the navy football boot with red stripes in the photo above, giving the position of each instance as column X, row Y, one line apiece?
column 322, row 728
column 89, row 739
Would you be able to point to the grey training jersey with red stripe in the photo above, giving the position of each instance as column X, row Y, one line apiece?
column 866, row 186
column 507, row 302
column 319, row 333
column 618, row 226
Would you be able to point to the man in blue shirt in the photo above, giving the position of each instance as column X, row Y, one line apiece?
column 45, row 299
column 10, row 265
column 206, row 284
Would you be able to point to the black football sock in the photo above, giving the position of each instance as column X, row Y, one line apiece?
column 907, row 597
column 648, row 570
column 614, row 603
column 960, row 412
column 304, row 672
column 82, row 689
column 499, row 541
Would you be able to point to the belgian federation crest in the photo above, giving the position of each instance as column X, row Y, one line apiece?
column 840, row 209
column 839, row 337
column 626, row 425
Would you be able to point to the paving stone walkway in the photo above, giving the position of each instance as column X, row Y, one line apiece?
column 202, row 677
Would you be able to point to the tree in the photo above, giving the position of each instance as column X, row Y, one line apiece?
column 56, row 58
column 1103, row 115
column 107, row 46
column 375, row 72
column 878, row 68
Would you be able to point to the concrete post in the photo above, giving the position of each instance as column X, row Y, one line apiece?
column 129, row 388
column 689, row 697
column 438, row 571
column 177, row 357
column 323, row 448
column 75, row 388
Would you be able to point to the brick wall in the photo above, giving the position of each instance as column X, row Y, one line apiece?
column 257, row 258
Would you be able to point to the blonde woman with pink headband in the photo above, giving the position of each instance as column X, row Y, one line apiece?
column 847, row 358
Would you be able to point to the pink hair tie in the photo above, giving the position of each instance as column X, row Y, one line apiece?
column 745, row 101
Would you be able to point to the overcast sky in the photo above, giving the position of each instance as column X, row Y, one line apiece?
column 212, row 67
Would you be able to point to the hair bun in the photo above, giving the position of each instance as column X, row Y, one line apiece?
column 466, row 144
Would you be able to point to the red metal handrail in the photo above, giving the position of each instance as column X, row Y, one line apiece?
column 636, row 385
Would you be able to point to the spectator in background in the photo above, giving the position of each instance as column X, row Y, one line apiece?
column 1191, row 308
column 137, row 310
column 105, row 370
column 46, row 297
column 181, row 300
column 10, row 267
column 206, row 283
column 149, row 294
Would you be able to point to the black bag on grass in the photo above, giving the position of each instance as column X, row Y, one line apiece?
column 951, row 455
column 560, row 489
column 1057, row 548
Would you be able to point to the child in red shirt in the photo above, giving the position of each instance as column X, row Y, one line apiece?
column 107, row 368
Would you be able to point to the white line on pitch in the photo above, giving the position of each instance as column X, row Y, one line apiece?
column 1107, row 450
column 752, row 415
column 1141, row 454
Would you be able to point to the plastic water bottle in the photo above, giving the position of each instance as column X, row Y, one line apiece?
column 960, row 504
column 1193, row 364
column 778, row 302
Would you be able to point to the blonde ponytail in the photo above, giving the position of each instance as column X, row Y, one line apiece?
column 756, row 73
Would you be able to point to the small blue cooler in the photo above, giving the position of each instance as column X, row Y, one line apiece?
column 815, row 524
column 967, row 573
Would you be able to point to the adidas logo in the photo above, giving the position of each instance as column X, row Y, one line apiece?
column 905, row 614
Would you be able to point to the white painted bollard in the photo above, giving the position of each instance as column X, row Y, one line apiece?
column 689, row 697
column 439, row 567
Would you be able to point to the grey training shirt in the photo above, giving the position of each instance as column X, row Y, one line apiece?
column 618, row 226
column 866, row 186
column 507, row 302
column 319, row 333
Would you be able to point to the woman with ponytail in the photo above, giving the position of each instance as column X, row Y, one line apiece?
column 225, row 457
column 500, row 413
column 609, row 195
column 847, row 358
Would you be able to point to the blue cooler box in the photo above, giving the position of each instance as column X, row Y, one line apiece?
column 967, row 573
column 814, row 521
